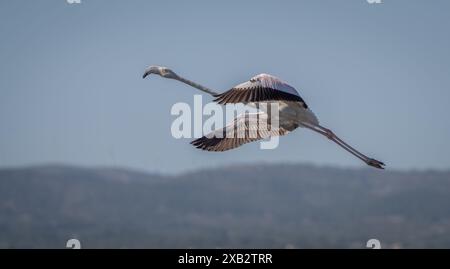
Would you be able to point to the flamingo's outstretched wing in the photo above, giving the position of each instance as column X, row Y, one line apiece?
column 245, row 128
column 263, row 87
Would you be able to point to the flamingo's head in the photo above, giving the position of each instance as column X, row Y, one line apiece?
column 159, row 70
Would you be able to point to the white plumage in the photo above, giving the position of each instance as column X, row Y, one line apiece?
column 268, row 81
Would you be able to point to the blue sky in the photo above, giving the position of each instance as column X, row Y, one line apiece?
column 71, row 89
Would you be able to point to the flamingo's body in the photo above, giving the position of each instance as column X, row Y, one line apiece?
column 293, row 112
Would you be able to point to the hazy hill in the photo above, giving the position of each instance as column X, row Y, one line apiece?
column 261, row 206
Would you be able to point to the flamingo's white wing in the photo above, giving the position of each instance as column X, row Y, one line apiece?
column 245, row 128
column 263, row 87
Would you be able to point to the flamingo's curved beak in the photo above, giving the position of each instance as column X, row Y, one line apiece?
column 150, row 70
column 147, row 72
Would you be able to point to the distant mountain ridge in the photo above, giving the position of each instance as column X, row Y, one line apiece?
column 240, row 206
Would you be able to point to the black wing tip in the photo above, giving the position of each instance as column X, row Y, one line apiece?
column 218, row 98
column 209, row 144
column 200, row 143
column 263, row 95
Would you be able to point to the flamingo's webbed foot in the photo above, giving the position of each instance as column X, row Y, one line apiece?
column 375, row 163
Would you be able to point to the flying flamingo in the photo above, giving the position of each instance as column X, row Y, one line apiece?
column 293, row 112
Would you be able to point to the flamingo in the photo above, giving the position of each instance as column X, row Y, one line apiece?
column 293, row 112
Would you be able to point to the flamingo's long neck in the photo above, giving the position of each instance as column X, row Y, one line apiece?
column 196, row 85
